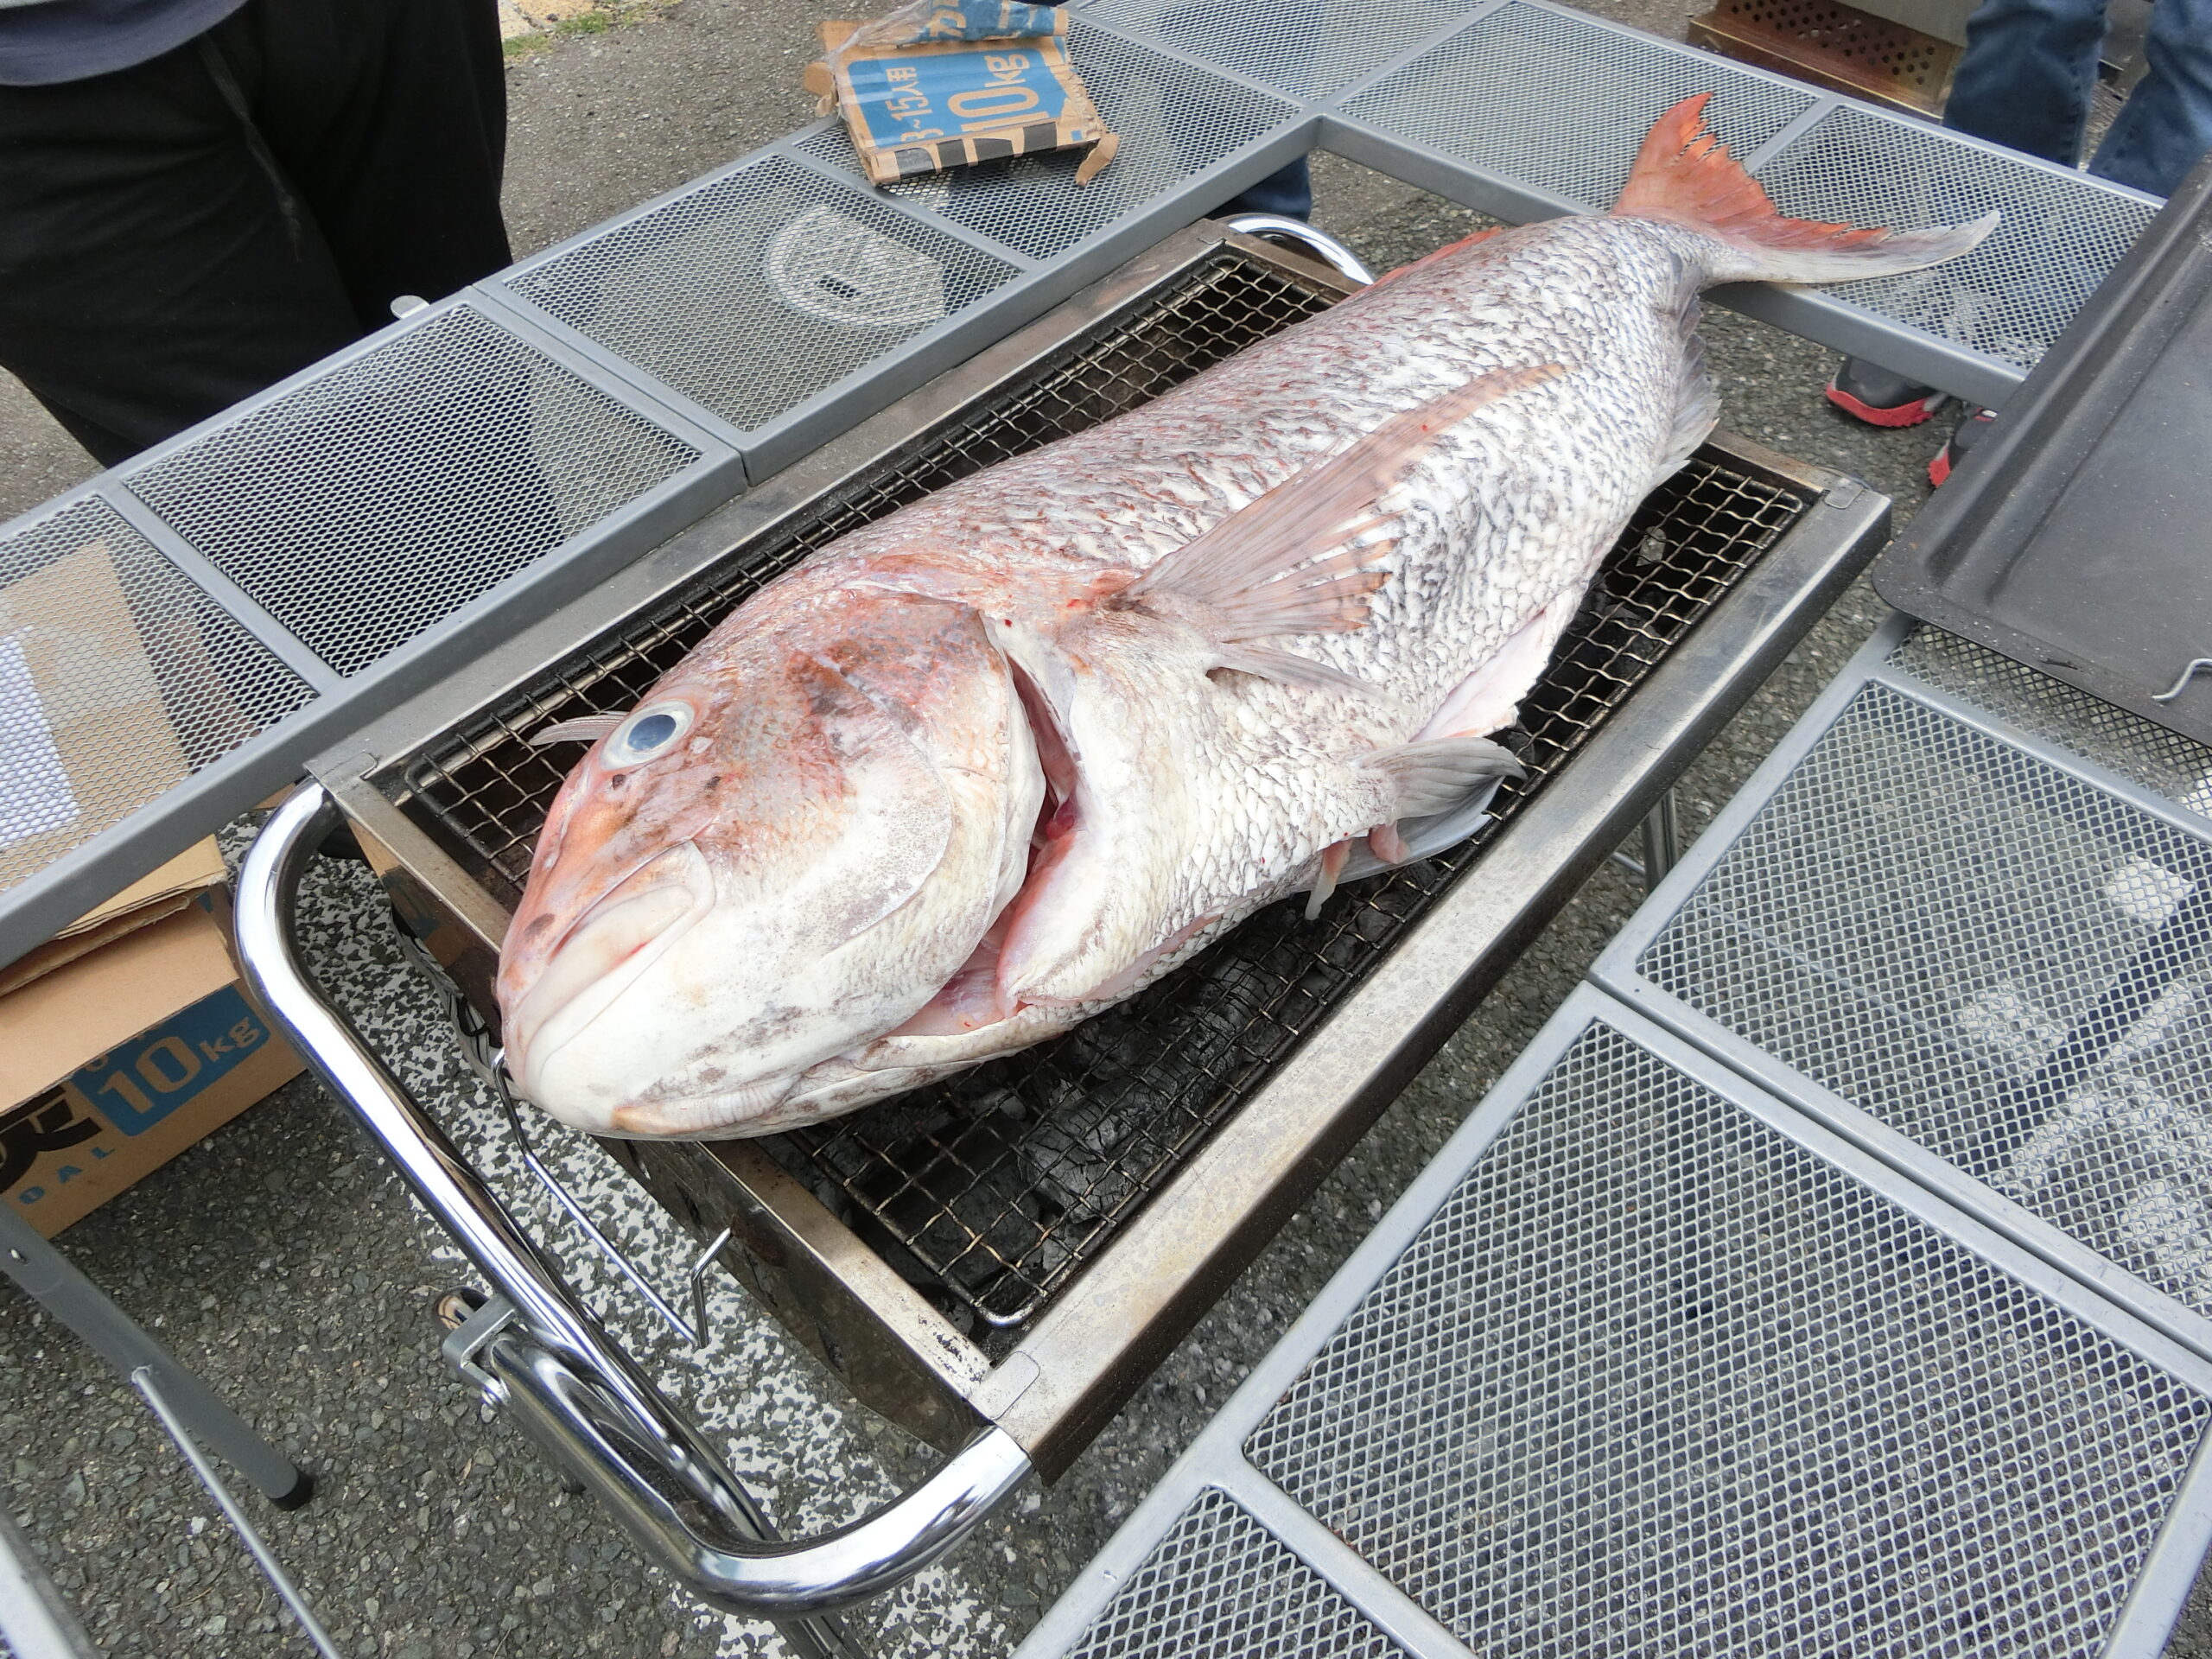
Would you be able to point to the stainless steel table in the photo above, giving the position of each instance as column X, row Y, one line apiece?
column 315, row 556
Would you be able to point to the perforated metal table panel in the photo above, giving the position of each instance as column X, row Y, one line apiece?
column 360, row 529
column 1963, row 914
column 1647, row 1361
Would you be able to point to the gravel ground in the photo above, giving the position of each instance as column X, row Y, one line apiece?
column 282, row 1259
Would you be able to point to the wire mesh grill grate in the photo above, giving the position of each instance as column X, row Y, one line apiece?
column 2163, row 761
column 1656, row 1379
column 1174, row 121
column 1220, row 1586
column 991, row 1189
column 382, row 496
column 1991, row 956
column 750, row 294
column 119, row 677
column 2060, row 234
column 1561, row 102
column 1311, row 48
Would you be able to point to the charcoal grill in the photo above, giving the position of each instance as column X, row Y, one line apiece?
column 997, row 1262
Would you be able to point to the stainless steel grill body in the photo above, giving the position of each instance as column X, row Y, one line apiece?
column 1647, row 1362
column 990, row 1251
column 1949, row 920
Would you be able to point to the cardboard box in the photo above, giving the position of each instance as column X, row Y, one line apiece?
column 938, row 84
column 115, row 1058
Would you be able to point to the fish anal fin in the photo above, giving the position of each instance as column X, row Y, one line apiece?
column 1697, row 411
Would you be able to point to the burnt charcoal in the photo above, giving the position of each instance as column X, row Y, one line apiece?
column 1073, row 1158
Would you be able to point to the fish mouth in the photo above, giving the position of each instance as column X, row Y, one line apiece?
column 605, row 951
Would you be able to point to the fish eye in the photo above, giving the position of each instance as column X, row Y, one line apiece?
column 648, row 734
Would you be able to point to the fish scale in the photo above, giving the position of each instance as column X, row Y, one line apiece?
column 1004, row 757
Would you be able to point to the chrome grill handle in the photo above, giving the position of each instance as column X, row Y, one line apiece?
column 581, row 1395
column 1282, row 227
column 565, row 1415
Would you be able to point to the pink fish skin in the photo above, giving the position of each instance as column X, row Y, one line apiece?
column 1012, row 753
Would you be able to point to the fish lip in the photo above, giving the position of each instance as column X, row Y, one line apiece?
column 528, row 1027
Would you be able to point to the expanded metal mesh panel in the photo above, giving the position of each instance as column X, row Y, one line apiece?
column 751, row 294
column 2059, row 235
column 1310, row 49
column 1563, row 102
column 1989, row 956
column 2164, row 761
column 1656, row 1379
column 1174, row 121
column 119, row 677
column 383, row 495
column 1220, row 1586
column 991, row 1189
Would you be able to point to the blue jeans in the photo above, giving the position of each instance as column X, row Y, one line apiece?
column 2030, row 67
column 1289, row 192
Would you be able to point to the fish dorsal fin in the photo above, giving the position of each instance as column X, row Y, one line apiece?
column 1283, row 565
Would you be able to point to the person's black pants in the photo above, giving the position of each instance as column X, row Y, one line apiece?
column 160, row 258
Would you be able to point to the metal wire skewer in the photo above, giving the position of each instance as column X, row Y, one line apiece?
column 489, row 1064
column 142, row 1380
column 2187, row 675
column 695, row 1335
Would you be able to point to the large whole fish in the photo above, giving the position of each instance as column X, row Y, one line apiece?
column 1006, row 756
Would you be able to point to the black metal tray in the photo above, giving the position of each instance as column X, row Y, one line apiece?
column 2078, row 537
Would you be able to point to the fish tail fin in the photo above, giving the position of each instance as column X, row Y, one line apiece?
column 1684, row 175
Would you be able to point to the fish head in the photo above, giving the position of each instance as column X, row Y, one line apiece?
column 781, row 853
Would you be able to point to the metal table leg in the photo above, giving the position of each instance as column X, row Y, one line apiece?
column 46, row 1277
column 36, row 1622
column 1662, row 844
column 1663, row 841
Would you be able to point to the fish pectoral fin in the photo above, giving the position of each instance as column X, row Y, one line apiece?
column 1288, row 668
column 584, row 729
column 1291, row 562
